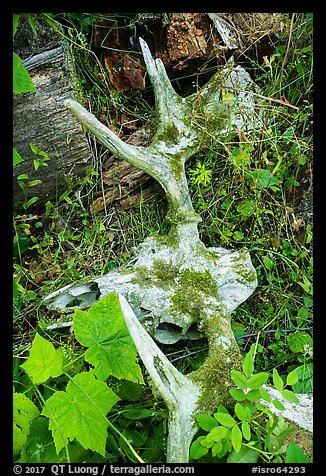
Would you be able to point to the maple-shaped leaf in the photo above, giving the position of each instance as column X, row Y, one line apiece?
column 80, row 412
column 44, row 361
column 111, row 349
column 24, row 411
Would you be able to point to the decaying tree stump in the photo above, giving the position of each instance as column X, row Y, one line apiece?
column 175, row 287
column 41, row 118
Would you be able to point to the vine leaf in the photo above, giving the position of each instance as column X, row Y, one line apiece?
column 22, row 81
column 24, row 411
column 44, row 361
column 111, row 349
column 80, row 412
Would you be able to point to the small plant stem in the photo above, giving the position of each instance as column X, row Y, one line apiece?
column 126, row 441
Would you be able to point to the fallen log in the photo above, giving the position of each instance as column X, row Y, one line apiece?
column 41, row 119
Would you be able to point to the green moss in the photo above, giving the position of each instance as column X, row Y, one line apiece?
column 214, row 378
column 193, row 287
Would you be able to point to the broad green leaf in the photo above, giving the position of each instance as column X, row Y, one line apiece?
column 24, row 411
column 22, row 81
column 292, row 377
column 17, row 158
column 254, row 395
column 225, row 419
column 80, row 412
column 236, row 438
column 294, row 454
column 240, row 411
column 264, row 178
column 290, row 396
column 206, row 422
column 268, row 263
column 305, row 383
column 217, row 448
column 197, row 450
column 277, row 404
column 111, row 349
column 245, row 428
column 248, row 364
column 217, row 434
column 44, row 361
column 245, row 455
column 265, row 395
column 239, row 379
column 298, row 341
column 278, row 382
column 257, row 380
column 237, row 394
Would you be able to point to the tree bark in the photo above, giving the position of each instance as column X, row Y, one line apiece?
column 41, row 119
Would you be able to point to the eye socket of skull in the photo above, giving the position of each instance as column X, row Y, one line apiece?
column 168, row 333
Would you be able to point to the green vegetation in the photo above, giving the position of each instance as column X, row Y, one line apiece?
column 250, row 192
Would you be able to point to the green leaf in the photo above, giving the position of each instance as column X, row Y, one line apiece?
column 254, row 395
column 269, row 264
column 80, row 412
column 17, row 158
column 138, row 413
column 298, row 341
column 197, row 450
column 24, row 411
column 305, row 374
column 30, row 202
column 44, row 361
column 257, row 380
column 290, row 396
column 217, row 434
column 264, row 178
column 111, row 349
column 278, row 382
column 245, row 455
column 265, row 395
column 246, row 431
column 206, row 422
column 239, row 379
column 236, row 438
column 240, row 411
column 277, row 404
column 294, row 454
column 292, row 377
column 246, row 208
column 217, row 448
column 225, row 419
column 21, row 243
column 248, row 364
column 22, row 81
column 15, row 23
column 237, row 394
column 23, row 177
